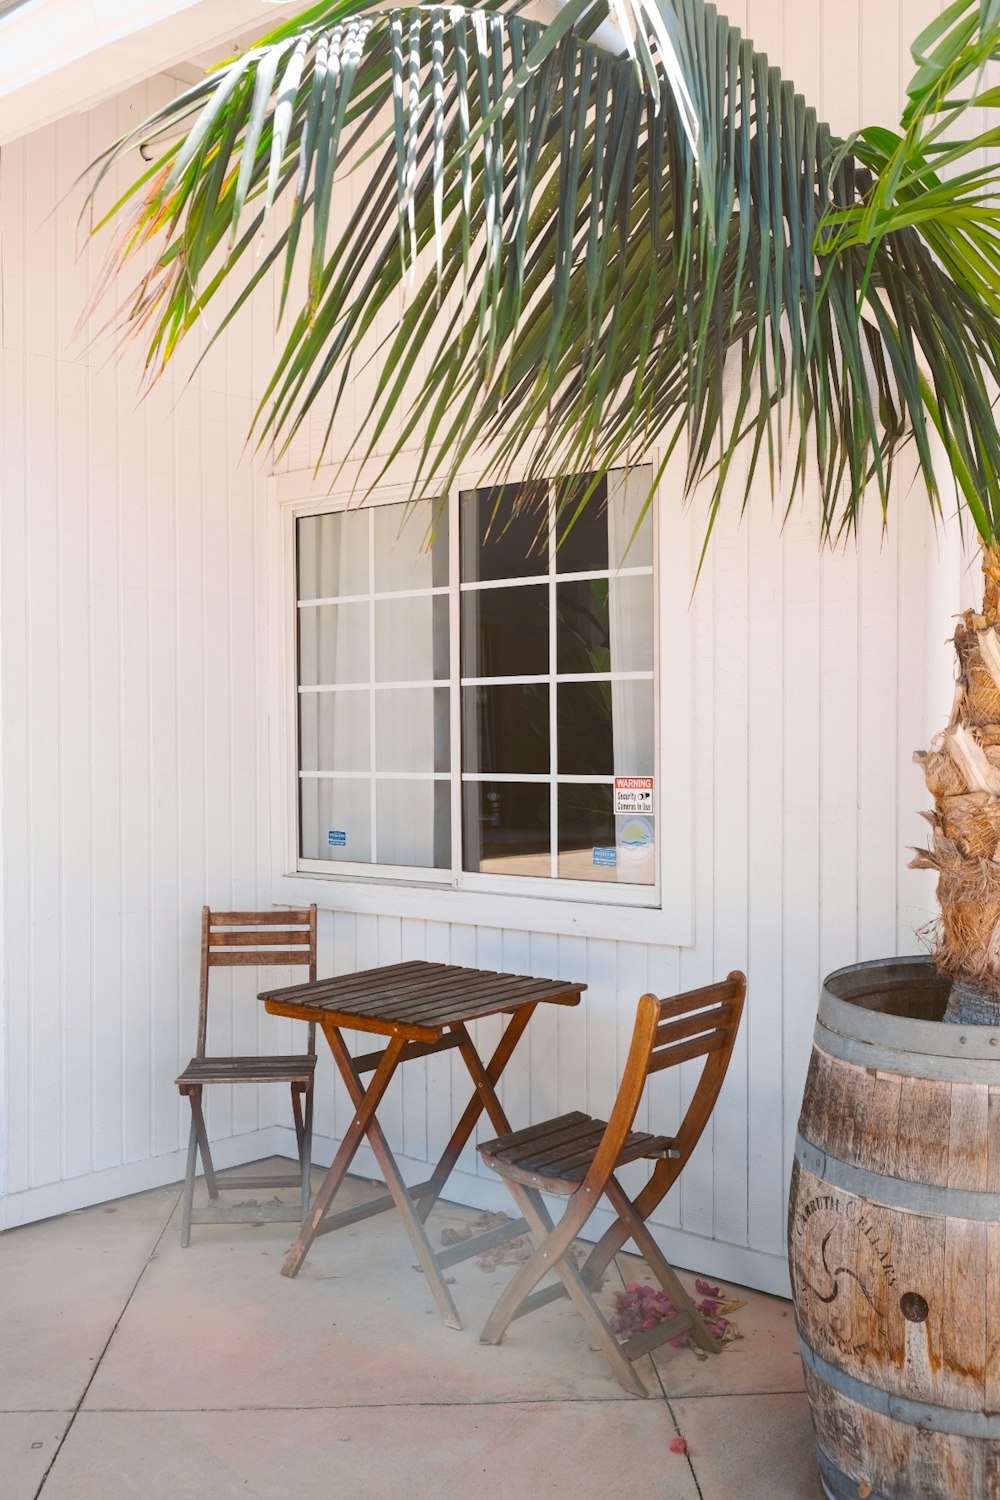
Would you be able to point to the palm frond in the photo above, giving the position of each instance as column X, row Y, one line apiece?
column 596, row 251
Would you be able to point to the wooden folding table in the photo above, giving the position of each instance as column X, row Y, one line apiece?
column 422, row 1008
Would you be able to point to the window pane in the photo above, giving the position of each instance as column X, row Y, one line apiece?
column 606, row 728
column 333, row 644
column 586, row 739
column 413, row 823
column 583, row 534
column 411, row 639
column 596, row 845
column 627, row 497
column 583, row 631
column 505, row 632
column 506, row 827
column 587, row 833
column 332, row 554
column 411, row 547
column 335, row 731
column 502, row 538
column 506, row 729
column 335, row 819
column 605, row 626
column 412, row 729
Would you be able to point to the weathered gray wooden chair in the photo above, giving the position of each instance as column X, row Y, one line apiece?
column 577, row 1156
column 240, row 938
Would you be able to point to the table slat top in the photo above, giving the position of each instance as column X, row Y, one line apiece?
column 418, row 996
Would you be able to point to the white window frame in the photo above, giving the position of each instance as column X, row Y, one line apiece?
column 661, row 913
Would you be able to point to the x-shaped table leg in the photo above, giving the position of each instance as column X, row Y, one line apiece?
column 415, row 1207
column 365, row 1123
column 485, row 1077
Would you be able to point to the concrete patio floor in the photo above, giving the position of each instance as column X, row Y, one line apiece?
column 135, row 1370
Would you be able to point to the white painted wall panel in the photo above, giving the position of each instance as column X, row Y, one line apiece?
column 132, row 716
column 136, row 625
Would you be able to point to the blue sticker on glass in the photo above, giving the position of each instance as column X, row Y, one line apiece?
column 605, row 856
column 635, row 835
column 337, row 837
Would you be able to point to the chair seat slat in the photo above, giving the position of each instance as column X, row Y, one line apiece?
column 201, row 1070
column 563, row 1148
column 517, row 1136
column 544, row 1139
column 640, row 1147
column 552, row 1159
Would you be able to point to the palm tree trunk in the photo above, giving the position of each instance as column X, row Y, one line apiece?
column 962, row 770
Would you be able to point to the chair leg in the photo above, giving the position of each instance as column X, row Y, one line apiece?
column 533, row 1208
column 550, row 1243
column 198, row 1120
column 296, row 1089
column 188, row 1199
column 305, row 1151
column 660, row 1266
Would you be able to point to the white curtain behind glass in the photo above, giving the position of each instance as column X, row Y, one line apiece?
column 631, row 627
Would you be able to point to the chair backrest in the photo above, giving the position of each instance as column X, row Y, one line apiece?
column 238, row 938
column 698, row 1023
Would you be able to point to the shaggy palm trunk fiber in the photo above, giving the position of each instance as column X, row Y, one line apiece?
column 963, row 775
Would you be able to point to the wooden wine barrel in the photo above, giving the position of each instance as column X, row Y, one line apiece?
column 894, row 1240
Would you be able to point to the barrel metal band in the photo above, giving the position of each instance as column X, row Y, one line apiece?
column 926, row 1414
column 897, row 1192
column 943, row 1069
column 836, row 1484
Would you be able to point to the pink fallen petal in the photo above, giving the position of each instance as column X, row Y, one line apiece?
column 678, row 1445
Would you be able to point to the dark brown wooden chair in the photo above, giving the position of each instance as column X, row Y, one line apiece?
column 240, row 938
column 577, row 1157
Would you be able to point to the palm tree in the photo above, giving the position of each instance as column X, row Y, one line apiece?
column 618, row 227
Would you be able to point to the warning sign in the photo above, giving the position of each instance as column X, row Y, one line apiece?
column 633, row 794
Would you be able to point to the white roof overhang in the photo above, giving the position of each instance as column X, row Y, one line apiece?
column 61, row 56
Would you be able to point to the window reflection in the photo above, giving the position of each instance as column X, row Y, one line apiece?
column 504, row 533
column 505, row 632
column 506, row 827
column 506, row 729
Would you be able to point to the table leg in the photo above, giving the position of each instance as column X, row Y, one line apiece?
column 366, row 1102
column 393, row 1180
column 485, row 1078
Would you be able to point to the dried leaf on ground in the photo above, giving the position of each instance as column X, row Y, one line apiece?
column 640, row 1307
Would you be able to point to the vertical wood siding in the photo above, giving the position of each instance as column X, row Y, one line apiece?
column 132, row 712
column 134, row 636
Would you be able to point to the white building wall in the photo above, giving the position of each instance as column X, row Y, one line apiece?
column 132, row 723
column 135, row 632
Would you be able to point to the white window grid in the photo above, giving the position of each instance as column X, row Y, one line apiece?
column 457, row 876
